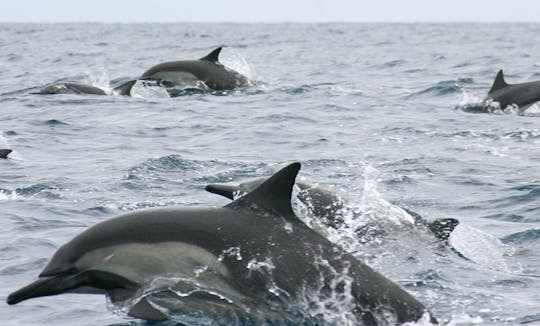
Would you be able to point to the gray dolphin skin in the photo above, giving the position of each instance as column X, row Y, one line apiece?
column 4, row 153
column 252, row 256
column 205, row 73
column 328, row 207
column 78, row 88
column 521, row 95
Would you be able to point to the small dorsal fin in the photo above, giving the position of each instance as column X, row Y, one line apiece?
column 498, row 83
column 442, row 227
column 213, row 56
column 4, row 153
column 144, row 310
column 274, row 195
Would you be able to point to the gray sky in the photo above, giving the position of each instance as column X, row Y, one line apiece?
column 269, row 10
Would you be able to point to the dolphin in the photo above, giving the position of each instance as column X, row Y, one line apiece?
column 206, row 73
column 522, row 95
column 5, row 152
column 328, row 207
column 252, row 257
column 78, row 88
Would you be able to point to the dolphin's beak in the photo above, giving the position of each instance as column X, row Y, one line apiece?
column 44, row 286
column 223, row 190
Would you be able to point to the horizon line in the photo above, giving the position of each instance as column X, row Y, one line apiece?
column 277, row 22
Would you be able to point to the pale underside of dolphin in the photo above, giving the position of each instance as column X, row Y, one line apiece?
column 252, row 258
column 5, row 152
column 503, row 95
column 328, row 207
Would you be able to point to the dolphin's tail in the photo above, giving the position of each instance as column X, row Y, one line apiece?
column 125, row 88
column 443, row 227
column 4, row 153
column 44, row 286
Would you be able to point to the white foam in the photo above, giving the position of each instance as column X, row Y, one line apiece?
column 480, row 247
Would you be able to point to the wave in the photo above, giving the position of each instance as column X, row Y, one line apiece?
column 528, row 236
column 42, row 190
column 443, row 88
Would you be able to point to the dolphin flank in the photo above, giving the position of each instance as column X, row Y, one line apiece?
column 78, row 88
column 328, row 207
column 252, row 258
column 522, row 95
column 206, row 73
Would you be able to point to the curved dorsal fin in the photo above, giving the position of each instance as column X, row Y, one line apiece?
column 274, row 195
column 498, row 83
column 213, row 56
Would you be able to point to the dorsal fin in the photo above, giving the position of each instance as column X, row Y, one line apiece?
column 442, row 228
column 498, row 83
column 274, row 195
column 4, row 153
column 213, row 56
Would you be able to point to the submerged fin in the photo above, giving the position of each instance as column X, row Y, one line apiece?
column 213, row 56
column 144, row 310
column 498, row 83
column 5, row 152
column 274, row 194
column 442, row 228
column 125, row 88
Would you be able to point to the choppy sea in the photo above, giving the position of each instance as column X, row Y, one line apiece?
column 372, row 111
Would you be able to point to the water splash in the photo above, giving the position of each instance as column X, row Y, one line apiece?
column 480, row 247
column 9, row 195
column 143, row 89
column 98, row 79
column 234, row 60
column 332, row 299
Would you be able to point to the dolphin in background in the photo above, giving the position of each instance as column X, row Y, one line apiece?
column 206, row 74
column 328, row 207
column 78, row 88
column 251, row 261
column 4, row 153
column 522, row 95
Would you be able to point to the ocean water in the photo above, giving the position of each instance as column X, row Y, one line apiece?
column 372, row 111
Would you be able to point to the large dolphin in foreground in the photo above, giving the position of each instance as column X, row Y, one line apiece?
column 78, row 88
column 328, row 208
column 5, row 152
column 252, row 258
column 522, row 95
column 206, row 73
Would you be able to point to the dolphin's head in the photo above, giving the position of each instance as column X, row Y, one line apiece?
column 234, row 191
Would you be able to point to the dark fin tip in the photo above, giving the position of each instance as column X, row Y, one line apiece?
column 442, row 228
column 213, row 56
column 125, row 88
column 499, row 82
column 222, row 190
column 144, row 310
column 5, row 152
column 274, row 194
